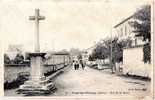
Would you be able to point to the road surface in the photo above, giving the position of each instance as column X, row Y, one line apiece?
column 92, row 82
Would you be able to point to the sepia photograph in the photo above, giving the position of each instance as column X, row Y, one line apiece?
column 77, row 49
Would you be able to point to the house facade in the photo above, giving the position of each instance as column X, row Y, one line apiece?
column 124, row 30
column 133, row 55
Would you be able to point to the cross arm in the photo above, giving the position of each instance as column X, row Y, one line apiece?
column 41, row 17
column 31, row 17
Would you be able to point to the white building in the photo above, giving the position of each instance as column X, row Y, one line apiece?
column 133, row 56
column 124, row 30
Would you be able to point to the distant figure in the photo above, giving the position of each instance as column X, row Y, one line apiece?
column 76, row 65
column 82, row 64
column 73, row 62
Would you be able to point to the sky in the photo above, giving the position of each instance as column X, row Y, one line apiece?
column 67, row 24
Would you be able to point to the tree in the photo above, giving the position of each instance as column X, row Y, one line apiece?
column 142, row 23
column 90, row 58
column 147, row 53
column 6, row 59
column 19, row 58
column 79, row 56
column 142, row 26
column 27, row 56
column 100, row 52
column 103, row 51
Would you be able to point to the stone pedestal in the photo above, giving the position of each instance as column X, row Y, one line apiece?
column 36, row 66
column 37, row 84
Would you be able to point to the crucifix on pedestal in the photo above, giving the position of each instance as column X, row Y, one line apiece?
column 36, row 57
column 37, row 82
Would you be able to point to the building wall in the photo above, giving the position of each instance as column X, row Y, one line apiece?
column 125, row 30
column 58, row 59
column 133, row 62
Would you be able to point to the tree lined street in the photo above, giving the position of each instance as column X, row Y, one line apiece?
column 118, row 64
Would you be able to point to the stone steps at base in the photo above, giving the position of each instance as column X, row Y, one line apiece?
column 42, row 88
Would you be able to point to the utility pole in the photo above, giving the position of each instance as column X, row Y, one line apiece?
column 111, row 63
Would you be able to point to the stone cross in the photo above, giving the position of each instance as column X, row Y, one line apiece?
column 37, row 82
column 36, row 18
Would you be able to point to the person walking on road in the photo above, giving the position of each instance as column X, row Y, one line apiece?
column 82, row 64
column 76, row 65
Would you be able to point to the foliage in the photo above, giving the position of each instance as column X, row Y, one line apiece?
column 91, row 58
column 27, row 56
column 103, row 50
column 79, row 56
column 147, row 54
column 6, row 59
column 142, row 23
column 19, row 59
column 142, row 26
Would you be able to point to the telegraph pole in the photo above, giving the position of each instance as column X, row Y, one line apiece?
column 111, row 63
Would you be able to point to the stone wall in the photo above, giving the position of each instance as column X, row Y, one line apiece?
column 133, row 63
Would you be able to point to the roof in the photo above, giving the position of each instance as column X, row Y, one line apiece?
column 123, row 21
column 60, row 53
column 137, row 46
